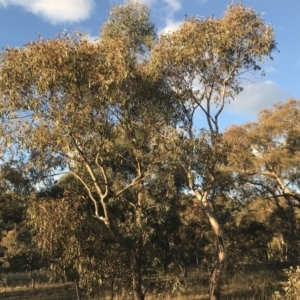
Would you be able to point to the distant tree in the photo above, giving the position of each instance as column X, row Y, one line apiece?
column 18, row 253
column 267, row 150
column 265, row 158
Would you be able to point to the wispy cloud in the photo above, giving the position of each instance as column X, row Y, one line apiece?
column 171, row 7
column 270, row 70
column 257, row 96
column 58, row 11
column 174, row 5
column 148, row 2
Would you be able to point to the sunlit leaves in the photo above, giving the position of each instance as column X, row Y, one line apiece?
column 203, row 59
column 267, row 150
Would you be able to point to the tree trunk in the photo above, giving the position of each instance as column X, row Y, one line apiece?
column 133, row 249
column 77, row 289
column 217, row 274
column 183, row 268
column 136, row 269
column 112, row 287
column 197, row 263
column 31, row 279
column 134, row 254
column 216, row 277
column 164, row 256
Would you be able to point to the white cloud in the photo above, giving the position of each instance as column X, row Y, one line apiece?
column 56, row 11
column 169, row 7
column 171, row 25
column 172, row 5
column 255, row 97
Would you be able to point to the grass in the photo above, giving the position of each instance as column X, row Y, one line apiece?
column 14, row 286
column 41, row 292
column 256, row 282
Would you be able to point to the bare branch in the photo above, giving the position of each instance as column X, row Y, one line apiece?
column 89, row 192
column 103, row 174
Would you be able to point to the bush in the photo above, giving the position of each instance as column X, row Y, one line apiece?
column 291, row 288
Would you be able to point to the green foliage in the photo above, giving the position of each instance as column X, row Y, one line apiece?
column 130, row 22
column 75, row 245
column 17, row 251
column 15, row 187
column 263, row 152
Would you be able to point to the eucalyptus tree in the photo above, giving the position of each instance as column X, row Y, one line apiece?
column 93, row 110
column 266, row 158
column 203, row 62
column 269, row 148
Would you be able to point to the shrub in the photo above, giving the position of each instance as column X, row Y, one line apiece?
column 291, row 288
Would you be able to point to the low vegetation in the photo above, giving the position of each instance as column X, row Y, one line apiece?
column 254, row 282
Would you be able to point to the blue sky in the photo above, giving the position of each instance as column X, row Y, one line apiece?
column 22, row 20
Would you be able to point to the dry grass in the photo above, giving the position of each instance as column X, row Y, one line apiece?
column 41, row 292
column 252, row 283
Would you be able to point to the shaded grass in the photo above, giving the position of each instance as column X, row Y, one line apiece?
column 41, row 292
column 251, row 282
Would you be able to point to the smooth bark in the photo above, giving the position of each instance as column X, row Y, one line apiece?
column 217, row 274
